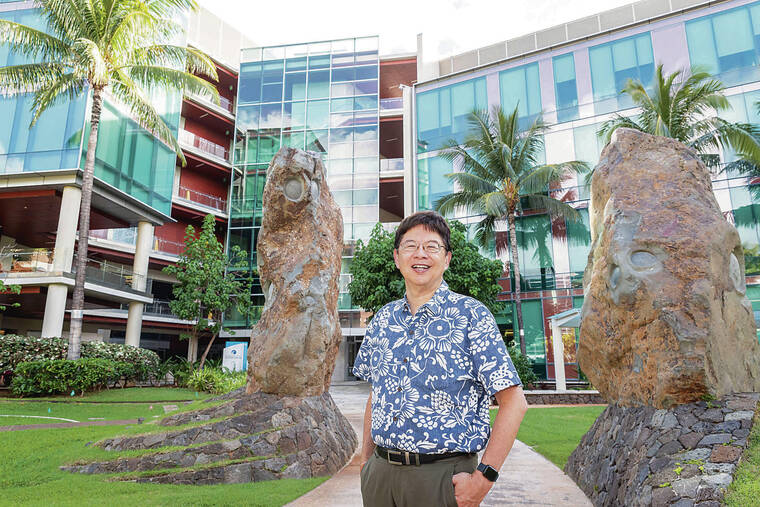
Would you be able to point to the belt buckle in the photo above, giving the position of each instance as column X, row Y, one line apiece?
column 400, row 454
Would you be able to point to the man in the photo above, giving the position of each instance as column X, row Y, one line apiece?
column 434, row 359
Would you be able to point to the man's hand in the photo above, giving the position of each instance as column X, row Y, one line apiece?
column 470, row 489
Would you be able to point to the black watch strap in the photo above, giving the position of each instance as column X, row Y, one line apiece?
column 488, row 472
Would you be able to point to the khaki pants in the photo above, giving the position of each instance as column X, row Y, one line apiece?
column 388, row 485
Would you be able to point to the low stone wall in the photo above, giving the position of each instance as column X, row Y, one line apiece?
column 563, row 397
column 684, row 456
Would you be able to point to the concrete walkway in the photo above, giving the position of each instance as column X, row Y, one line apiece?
column 527, row 478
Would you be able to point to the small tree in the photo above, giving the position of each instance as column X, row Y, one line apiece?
column 207, row 287
column 377, row 281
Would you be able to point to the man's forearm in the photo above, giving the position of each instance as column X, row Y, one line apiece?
column 368, row 445
column 512, row 407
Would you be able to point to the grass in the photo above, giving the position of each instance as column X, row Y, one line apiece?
column 136, row 394
column 745, row 490
column 31, row 459
column 82, row 412
column 554, row 432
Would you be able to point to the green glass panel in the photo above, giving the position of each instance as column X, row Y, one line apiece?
column 342, row 105
column 534, row 244
column 578, row 242
column 268, row 146
column 318, row 114
column 533, row 324
column 602, row 74
column 369, row 196
column 699, row 38
column 294, row 140
column 733, row 32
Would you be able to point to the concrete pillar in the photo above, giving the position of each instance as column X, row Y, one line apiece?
column 410, row 151
column 558, row 347
column 63, row 256
column 192, row 349
column 139, row 282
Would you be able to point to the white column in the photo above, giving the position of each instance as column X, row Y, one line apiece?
column 558, row 347
column 139, row 282
column 63, row 256
column 192, row 349
column 410, row 150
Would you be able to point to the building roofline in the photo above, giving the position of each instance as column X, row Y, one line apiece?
column 590, row 27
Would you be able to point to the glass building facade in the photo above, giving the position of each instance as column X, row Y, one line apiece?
column 322, row 97
column 127, row 156
column 577, row 90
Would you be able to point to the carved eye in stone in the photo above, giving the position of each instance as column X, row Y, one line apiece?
column 643, row 260
column 293, row 189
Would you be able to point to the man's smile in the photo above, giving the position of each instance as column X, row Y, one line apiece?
column 420, row 268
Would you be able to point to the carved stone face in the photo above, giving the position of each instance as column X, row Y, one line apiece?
column 665, row 319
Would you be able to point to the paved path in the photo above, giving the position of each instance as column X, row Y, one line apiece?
column 527, row 478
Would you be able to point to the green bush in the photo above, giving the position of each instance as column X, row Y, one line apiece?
column 216, row 380
column 58, row 376
column 523, row 366
column 15, row 349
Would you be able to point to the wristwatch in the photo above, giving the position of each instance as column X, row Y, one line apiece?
column 488, row 472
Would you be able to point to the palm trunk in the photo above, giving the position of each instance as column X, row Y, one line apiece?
column 516, row 288
column 75, row 327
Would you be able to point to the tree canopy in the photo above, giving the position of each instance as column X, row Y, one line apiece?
column 377, row 281
column 207, row 285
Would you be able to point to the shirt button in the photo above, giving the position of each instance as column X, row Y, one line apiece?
column 398, row 389
column 406, row 360
column 395, row 418
column 411, row 332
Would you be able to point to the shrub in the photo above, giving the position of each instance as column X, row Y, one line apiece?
column 15, row 349
column 57, row 376
column 523, row 366
column 216, row 380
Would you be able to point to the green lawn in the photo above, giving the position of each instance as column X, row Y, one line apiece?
column 81, row 412
column 554, row 432
column 30, row 458
column 136, row 394
column 745, row 490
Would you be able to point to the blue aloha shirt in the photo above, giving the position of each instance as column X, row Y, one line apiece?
column 433, row 373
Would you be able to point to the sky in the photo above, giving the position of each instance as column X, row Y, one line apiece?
column 449, row 27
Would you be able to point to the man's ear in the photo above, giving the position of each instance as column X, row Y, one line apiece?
column 395, row 258
column 448, row 259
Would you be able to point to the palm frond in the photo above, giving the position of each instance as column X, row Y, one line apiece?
column 149, row 76
column 553, row 207
column 31, row 77
column 67, row 86
column 26, row 41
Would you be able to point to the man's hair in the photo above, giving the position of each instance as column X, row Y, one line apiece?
column 431, row 220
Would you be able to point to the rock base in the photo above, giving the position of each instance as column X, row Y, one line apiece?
column 246, row 438
column 682, row 456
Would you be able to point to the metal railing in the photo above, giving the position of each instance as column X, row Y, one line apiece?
column 391, row 103
column 113, row 275
column 224, row 102
column 211, row 201
column 166, row 246
column 391, row 164
column 37, row 260
column 203, row 145
column 157, row 307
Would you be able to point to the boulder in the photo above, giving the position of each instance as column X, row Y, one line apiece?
column 295, row 343
column 665, row 319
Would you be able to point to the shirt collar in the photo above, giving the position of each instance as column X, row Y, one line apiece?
column 435, row 304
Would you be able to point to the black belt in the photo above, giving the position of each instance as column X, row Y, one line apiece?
column 395, row 457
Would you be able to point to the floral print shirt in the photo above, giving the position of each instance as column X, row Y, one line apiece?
column 433, row 373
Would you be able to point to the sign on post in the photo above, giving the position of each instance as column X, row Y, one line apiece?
column 235, row 356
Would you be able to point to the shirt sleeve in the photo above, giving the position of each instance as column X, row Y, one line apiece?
column 491, row 362
column 361, row 367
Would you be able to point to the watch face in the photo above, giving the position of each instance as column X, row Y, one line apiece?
column 488, row 472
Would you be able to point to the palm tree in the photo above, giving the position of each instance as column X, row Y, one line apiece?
column 684, row 106
column 501, row 173
column 119, row 47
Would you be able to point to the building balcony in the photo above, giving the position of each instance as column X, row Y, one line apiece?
column 208, row 150
column 392, row 106
column 105, row 280
column 200, row 201
column 225, row 105
column 124, row 240
column 391, row 168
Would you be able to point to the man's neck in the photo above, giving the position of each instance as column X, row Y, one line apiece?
column 417, row 297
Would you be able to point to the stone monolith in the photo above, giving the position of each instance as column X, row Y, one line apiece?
column 295, row 343
column 665, row 319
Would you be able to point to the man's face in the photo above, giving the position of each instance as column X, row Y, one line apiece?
column 421, row 269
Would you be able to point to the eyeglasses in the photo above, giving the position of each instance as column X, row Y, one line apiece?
column 431, row 247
